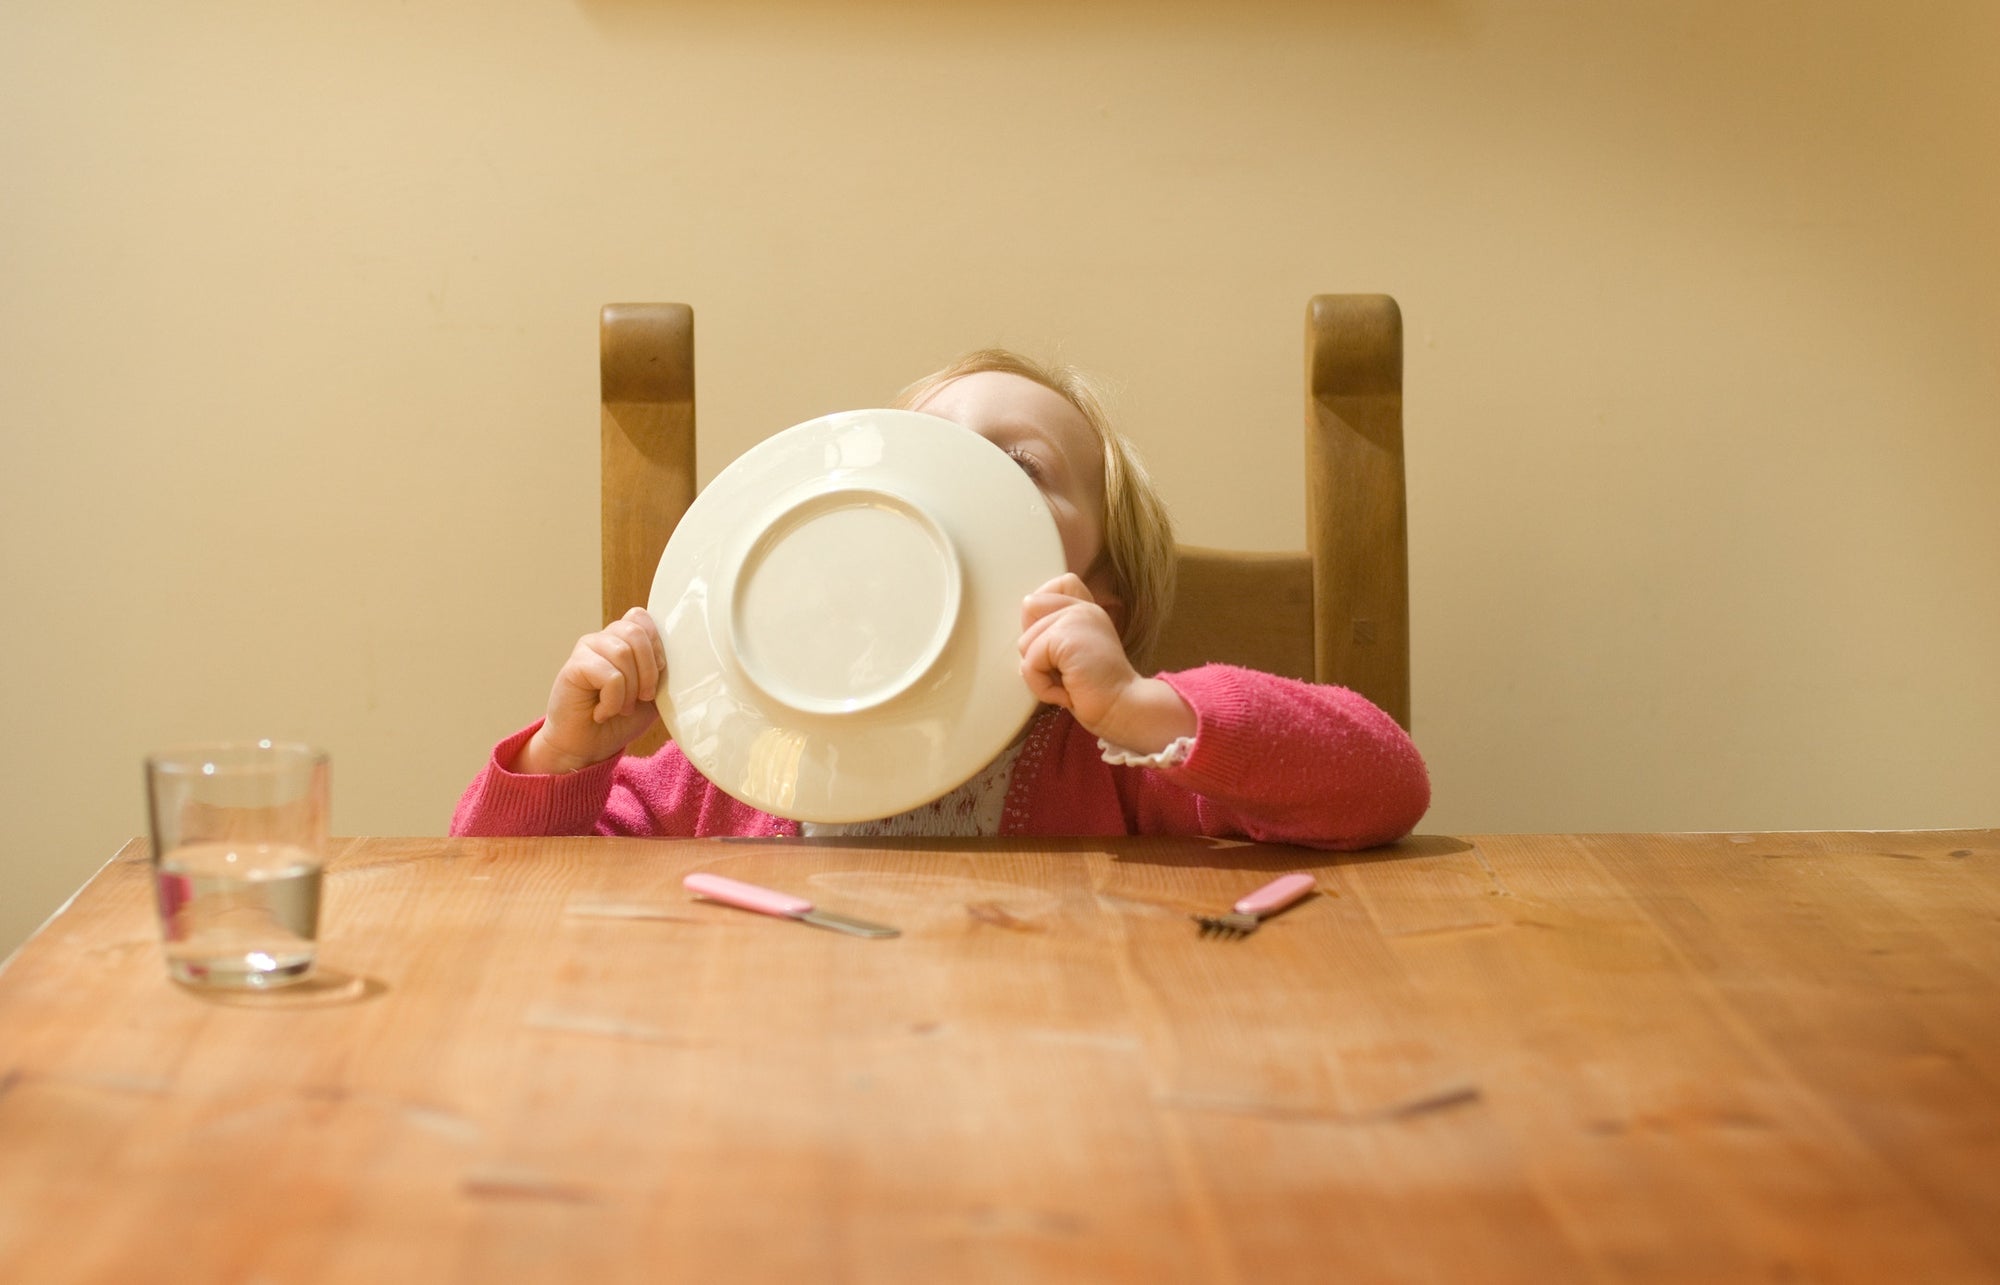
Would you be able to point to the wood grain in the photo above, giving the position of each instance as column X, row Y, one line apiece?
column 1519, row 1058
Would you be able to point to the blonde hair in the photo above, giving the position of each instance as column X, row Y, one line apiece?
column 1138, row 532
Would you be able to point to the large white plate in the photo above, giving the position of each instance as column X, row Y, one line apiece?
column 840, row 608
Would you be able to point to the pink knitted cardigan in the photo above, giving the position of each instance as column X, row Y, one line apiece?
column 1274, row 759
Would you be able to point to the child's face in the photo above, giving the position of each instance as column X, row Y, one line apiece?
column 1053, row 444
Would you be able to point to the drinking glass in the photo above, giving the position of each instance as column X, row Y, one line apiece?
column 239, row 845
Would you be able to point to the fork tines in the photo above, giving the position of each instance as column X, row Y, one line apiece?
column 1220, row 926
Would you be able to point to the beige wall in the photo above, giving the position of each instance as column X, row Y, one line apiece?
column 297, row 345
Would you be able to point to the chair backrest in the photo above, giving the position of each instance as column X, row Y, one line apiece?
column 1338, row 612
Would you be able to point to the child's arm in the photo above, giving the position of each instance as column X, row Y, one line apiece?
column 658, row 795
column 566, row 773
column 1071, row 656
column 1284, row 761
column 1272, row 759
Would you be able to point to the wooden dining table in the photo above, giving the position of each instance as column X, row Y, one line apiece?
column 1547, row 1058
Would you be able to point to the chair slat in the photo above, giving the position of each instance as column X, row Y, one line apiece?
column 1356, row 517
column 1221, row 593
column 647, row 448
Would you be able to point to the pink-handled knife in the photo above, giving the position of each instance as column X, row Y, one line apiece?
column 765, row 901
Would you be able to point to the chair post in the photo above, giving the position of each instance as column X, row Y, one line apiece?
column 1356, row 517
column 646, row 441
column 646, row 450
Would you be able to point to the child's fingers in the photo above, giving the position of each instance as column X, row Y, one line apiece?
column 614, row 668
column 640, row 659
column 1042, row 673
column 1042, row 612
column 600, row 680
column 1035, row 630
column 650, row 630
column 1047, row 601
column 1069, row 584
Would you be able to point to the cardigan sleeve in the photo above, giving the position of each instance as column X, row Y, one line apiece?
column 1283, row 761
column 660, row 794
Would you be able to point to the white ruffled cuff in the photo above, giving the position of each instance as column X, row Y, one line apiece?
column 1172, row 754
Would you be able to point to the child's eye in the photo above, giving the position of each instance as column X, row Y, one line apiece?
column 1029, row 464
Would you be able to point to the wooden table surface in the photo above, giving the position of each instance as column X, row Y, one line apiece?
column 1525, row 1058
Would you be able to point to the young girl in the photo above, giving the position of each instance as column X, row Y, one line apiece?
column 1215, row 751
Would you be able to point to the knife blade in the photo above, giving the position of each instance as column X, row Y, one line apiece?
column 767, row 901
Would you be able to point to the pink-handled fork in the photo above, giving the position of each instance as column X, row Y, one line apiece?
column 1258, row 906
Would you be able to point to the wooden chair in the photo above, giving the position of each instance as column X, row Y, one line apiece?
column 1338, row 612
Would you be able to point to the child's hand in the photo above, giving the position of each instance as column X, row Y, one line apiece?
column 1071, row 656
column 602, row 699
